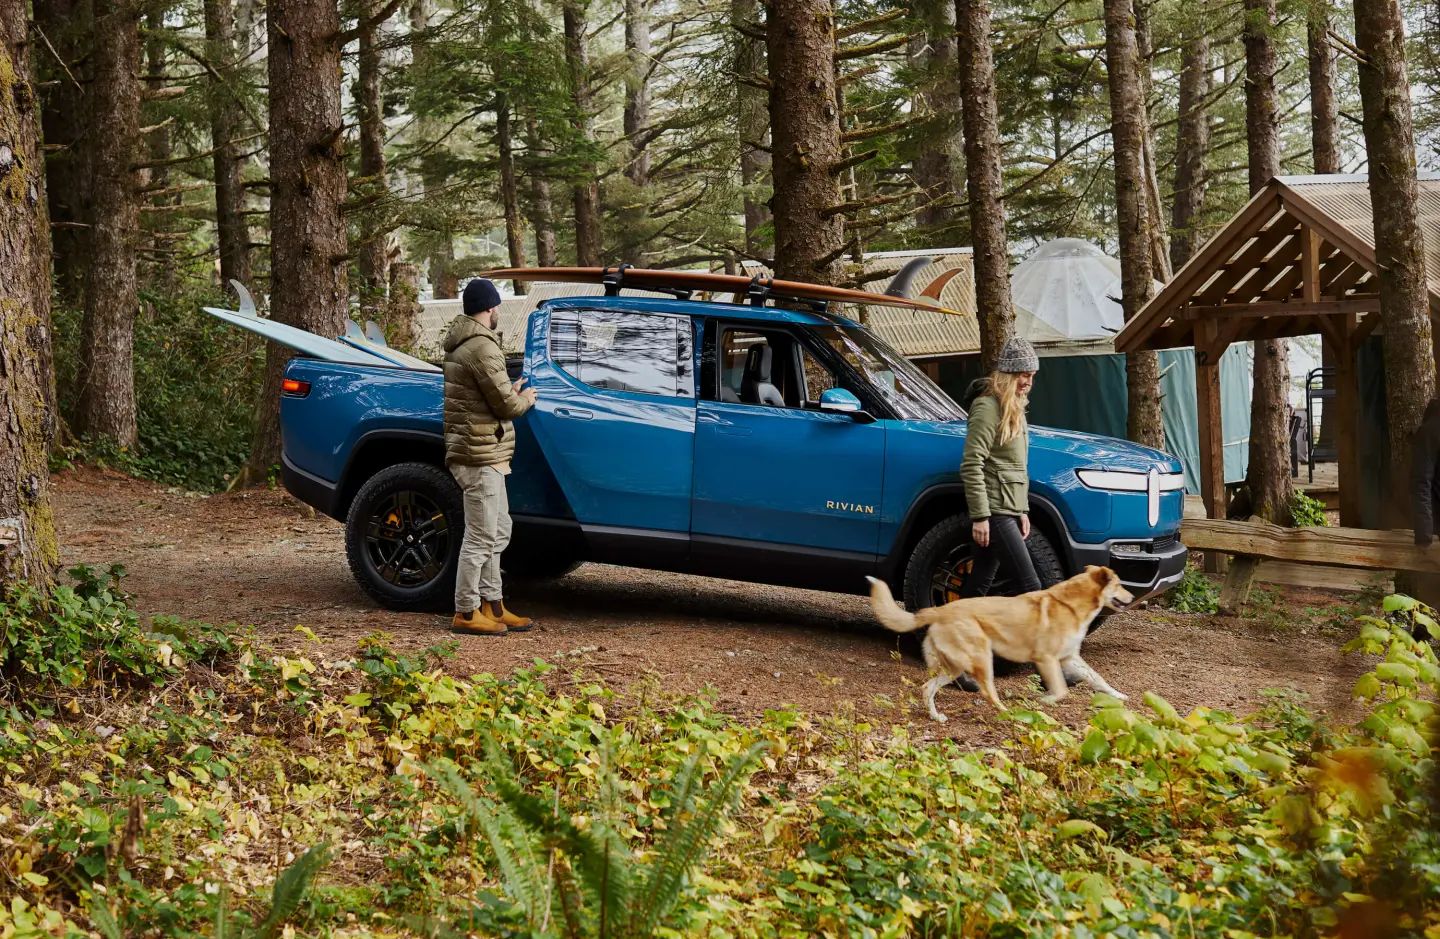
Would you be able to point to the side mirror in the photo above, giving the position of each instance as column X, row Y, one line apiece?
column 840, row 401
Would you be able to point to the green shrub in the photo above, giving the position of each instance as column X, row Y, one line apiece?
column 86, row 634
column 197, row 382
column 1195, row 593
column 539, row 802
column 1307, row 512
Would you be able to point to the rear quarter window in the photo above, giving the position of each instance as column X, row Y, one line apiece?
column 622, row 350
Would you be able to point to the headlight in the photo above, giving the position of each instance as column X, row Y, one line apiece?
column 1152, row 484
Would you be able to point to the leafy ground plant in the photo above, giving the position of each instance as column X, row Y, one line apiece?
column 1195, row 593
column 487, row 804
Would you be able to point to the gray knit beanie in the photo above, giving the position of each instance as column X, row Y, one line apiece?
column 1018, row 356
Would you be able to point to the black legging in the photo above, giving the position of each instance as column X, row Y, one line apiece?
column 1006, row 547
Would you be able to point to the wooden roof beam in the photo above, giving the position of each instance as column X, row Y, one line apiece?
column 1260, row 210
column 1290, row 308
column 1267, row 244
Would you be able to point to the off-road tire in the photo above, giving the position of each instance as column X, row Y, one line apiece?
column 949, row 534
column 438, row 489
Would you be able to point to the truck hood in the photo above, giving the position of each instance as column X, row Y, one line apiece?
column 1083, row 450
column 1105, row 452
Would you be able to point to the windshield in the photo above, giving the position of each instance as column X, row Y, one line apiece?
column 903, row 386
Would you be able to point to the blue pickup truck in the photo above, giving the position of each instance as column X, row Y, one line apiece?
column 779, row 446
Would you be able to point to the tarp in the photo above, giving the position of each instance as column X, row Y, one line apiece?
column 1067, row 291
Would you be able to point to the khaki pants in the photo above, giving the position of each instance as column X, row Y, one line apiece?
column 487, row 532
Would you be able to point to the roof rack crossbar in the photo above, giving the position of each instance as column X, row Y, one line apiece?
column 614, row 282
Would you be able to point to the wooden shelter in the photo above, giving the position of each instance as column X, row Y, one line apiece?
column 1297, row 260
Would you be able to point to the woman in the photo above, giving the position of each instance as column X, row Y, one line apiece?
column 996, row 473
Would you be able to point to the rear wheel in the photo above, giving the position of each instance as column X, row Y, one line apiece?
column 402, row 536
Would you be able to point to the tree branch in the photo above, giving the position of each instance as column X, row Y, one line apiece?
column 347, row 36
column 871, row 48
column 870, row 25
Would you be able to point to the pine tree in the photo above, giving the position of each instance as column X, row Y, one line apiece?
column 805, row 130
column 107, row 390
column 307, row 232
column 983, row 183
column 1399, row 245
column 1268, row 477
column 27, row 402
column 1137, row 284
column 227, row 118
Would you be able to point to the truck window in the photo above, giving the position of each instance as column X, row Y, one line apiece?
column 622, row 350
column 759, row 367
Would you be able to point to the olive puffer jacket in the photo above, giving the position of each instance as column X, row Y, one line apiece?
column 996, row 475
column 480, row 401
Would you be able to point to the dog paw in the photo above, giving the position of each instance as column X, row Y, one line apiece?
column 1118, row 695
column 939, row 718
column 1051, row 699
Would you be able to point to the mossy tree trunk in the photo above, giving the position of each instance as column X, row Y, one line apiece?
column 27, row 406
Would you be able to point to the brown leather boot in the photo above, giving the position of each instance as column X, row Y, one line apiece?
column 478, row 623
column 495, row 609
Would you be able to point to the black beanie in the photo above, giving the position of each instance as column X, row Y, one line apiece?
column 480, row 295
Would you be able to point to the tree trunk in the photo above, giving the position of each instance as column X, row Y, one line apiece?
column 1268, row 478
column 542, row 208
column 372, row 255
column 983, row 183
column 752, row 125
column 1324, row 105
column 637, row 125
column 1192, row 145
column 159, row 149
column 509, row 192
column 402, row 309
column 942, row 147
column 107, row 383
column 1399, row 246
column 227, row 118
column 1154, row 207
column 28, row 549
column 585, row 191
column 805, row 128
column 1137, row 284
column 68, row 24
column 1324, row 147
column 307, row 171
column 439, row 242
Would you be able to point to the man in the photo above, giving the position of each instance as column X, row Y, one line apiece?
column 480, row 403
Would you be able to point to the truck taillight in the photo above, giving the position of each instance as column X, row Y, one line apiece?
column 294, row 388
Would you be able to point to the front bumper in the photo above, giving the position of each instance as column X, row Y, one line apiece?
column 1147, row 570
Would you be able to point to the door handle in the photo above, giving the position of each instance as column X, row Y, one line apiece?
column 578, row 414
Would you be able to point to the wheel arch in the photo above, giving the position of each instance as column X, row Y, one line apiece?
column 943, row 500
column 377, row 449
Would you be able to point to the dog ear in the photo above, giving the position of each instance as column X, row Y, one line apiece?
column 1101, row 575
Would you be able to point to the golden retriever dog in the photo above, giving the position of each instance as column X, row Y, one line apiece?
column 1045, row 627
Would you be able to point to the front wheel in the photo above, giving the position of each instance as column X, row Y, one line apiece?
column 403, row 534
column 942, row 560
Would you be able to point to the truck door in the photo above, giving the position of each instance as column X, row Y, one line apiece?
column 769, row 465
column 615, row 414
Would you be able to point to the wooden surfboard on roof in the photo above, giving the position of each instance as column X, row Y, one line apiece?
column 756, row 290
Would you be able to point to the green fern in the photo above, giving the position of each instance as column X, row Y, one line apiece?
column 595, row 886
column 290, row 889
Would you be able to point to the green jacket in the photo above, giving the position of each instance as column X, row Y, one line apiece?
column 996, row 476
column 480, row 401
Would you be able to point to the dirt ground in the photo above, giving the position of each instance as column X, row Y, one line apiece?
column 261, row 558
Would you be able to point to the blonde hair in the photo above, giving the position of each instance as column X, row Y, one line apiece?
column 1003, row 387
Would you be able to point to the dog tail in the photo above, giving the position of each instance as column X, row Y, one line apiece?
column 887, row 611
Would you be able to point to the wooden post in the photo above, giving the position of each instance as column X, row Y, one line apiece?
column 1208, row 351
column 931, row 367
column 1347, row 420
column 1207, row 400
column 1309, row 265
